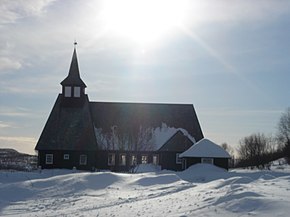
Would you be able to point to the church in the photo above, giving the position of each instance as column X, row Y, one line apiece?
column 114, row 136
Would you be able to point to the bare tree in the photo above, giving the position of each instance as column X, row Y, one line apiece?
column 228, row 148
column 283, row 135
column 129, row 139
column 253, row 148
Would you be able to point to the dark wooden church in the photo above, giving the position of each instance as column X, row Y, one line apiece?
column 109, row 135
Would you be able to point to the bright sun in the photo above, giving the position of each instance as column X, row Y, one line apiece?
column 143, row 21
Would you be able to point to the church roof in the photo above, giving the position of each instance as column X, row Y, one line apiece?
column 72, row 128
column 205, row 148
column 132, row 115
column 73, row 77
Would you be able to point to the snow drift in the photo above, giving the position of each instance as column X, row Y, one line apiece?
column 201, row 190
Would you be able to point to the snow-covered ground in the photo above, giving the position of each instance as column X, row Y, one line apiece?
column 201, row 190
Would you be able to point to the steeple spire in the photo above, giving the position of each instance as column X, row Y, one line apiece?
column 73, row 78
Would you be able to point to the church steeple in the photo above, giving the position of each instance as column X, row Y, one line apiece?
column 73, row 77
column 73, row 85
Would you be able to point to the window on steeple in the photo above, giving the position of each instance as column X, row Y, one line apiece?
column 77, row 92
column 67, row 91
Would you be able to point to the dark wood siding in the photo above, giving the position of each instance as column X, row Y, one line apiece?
column 102, row 159
column 73, row 161
column 220, row 162
column 168, row 161
column 191, row 161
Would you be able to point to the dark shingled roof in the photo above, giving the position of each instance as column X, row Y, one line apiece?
column 133, row 115
column 68, row 128
column 73, row 77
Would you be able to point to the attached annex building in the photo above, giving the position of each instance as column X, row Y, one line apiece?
column 116, row 136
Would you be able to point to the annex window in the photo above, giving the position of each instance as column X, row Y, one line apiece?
column 49, row 159
column 133, row 160
column 111, row 159
column 178, row 159
column 77, row 92
column 83, row 159
column 67, row 91
column 155, row 159
column 207, row 160
column 144, row 159
column 122, row 160
column 66, row 156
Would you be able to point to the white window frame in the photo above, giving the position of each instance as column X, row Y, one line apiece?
column 133, row 160
column 207, row 160
column 144, row 159
column 111, row 159
column 66, row 156
column 49, row 159
column 122, row 159
column 83, row 159
column 155, row 159
column 77, row 91
column 178, row 160
column 67, row 91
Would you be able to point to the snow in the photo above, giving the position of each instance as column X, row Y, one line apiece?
column 201, row 190
column 205, row 148
column 162, row 134
column 157, row 136
column 145, row 168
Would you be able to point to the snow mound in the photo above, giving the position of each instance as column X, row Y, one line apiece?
column 203, row 168
column 164, row 179
column 209, row 191
column 203, row 173
column 147, row 168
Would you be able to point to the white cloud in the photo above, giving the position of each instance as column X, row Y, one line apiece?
column 4, row 125
column 11, row 11
column 8, row 63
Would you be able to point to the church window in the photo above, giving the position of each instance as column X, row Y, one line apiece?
column 66, row 156
column 133, row 160
column 155, row 159
column 111, row 159
column 67, row 91
column 49, row 159
column 123, row 159
column 77, row 92
column 144, row 159
column 83, row 159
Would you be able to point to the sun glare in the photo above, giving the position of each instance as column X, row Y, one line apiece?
column 143, row 21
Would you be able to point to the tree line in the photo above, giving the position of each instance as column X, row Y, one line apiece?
column 258, row 150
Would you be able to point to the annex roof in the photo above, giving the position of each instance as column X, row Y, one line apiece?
column 205, row 148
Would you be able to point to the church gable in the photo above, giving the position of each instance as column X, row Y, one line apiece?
column 178, row 143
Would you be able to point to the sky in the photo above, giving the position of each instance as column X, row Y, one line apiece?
column 230, row 59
